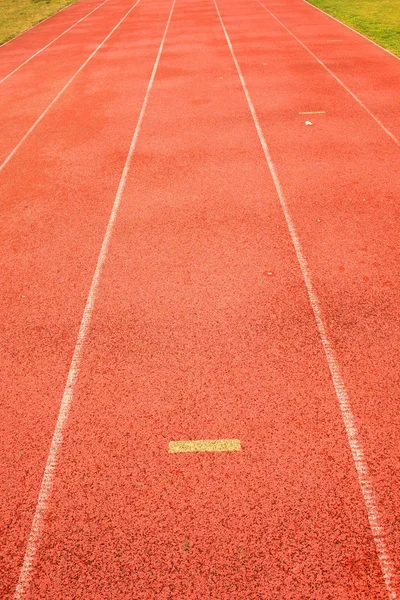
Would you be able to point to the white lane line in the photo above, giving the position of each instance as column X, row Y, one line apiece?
column 66, row 86
column 351, row 29
column 335, row 77
column 312, row 112
column 357, row 451
column 56, row 442
column 50, row 43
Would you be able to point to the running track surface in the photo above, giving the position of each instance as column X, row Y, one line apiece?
column 214, row 268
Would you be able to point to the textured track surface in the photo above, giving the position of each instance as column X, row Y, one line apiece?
column 202, row 327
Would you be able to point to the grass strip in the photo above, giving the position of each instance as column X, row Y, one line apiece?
column 378, row 20
column 19, row 15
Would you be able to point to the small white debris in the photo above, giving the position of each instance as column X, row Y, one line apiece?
column 308, row 123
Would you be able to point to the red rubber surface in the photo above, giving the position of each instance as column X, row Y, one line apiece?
column 202, row 328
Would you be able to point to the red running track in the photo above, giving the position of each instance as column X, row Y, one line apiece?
column 204, row 320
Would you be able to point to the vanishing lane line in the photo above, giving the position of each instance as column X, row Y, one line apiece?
column 335, row 77
column 364, row 478
column 50, row 43
column 66, row 86
column 204, row 446
column 57, row 439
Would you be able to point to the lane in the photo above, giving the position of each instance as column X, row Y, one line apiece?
column 370, row 72
column 46, row 486
column 27, row 94
column 52, row 223
column 341, row 180
column 202, row 330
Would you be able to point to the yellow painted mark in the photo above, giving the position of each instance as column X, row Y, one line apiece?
column 204, row 446
column 313, row 112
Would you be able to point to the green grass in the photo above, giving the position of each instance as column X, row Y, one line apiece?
column 377, row 19
column 18, row 15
